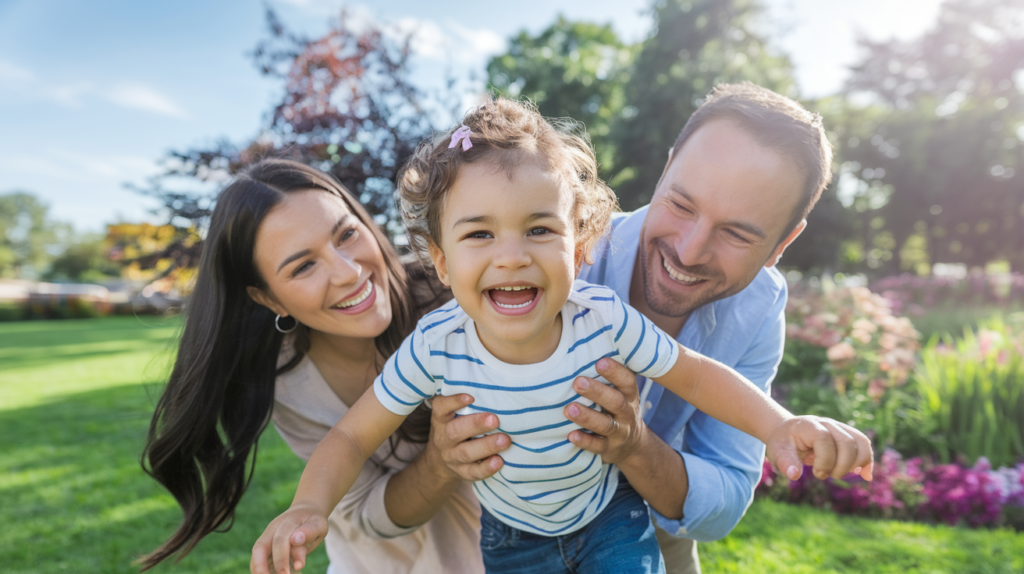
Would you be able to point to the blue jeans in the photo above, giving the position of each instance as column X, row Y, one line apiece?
column 621, row 539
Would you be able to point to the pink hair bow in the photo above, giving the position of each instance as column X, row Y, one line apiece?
column 463, row 134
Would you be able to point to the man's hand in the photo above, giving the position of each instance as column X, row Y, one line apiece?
column 620, row 429
column 831, row 447
column 464, row 456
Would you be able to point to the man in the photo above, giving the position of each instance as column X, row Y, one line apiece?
column 699, row 261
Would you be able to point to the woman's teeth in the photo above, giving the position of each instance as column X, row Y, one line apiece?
column 359, row 299
column 677, row 275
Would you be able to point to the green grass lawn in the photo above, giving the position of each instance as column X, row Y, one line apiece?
column 75, row 402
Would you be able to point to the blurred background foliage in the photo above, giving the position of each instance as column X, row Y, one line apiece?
column 928, row 132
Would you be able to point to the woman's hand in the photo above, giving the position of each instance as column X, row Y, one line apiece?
column 830, row 447
column 292, row 536
column 464, row 456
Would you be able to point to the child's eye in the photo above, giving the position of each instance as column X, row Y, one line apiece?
column 539, row 231
column 478, row 235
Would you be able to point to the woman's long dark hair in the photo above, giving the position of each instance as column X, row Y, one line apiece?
column 221, row 390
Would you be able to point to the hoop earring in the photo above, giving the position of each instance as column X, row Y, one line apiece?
column 277, row 325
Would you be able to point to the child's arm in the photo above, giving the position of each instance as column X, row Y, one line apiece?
column 724, row 394
column 330, row 472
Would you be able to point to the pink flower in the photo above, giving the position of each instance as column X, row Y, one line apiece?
column 841, row 352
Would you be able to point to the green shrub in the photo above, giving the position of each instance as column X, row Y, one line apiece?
column 972, row 394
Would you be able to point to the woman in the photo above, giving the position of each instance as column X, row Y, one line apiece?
column 298, row 301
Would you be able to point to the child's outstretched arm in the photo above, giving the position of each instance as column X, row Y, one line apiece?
column 330, row 472
column 792, row 441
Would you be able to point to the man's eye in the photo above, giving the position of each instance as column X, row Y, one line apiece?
column 737, row 236
column 678, row 206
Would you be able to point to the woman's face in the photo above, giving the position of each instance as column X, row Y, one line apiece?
column 322, row 266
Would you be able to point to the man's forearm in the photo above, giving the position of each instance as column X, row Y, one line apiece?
column 658, row 474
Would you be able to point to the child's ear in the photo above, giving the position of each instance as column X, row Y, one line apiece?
column 261, row 297
column 584, row 254
column 440, row 262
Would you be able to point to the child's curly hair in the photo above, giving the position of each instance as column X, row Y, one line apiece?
column 505, row 132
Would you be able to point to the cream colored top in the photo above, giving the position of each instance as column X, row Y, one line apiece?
column 362, row 539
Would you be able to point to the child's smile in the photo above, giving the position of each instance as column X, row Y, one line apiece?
column 508, row 252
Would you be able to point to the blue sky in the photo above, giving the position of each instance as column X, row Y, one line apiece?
column 93, row 94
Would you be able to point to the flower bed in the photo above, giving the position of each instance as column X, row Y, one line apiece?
column 914, row 489
column 914, row 295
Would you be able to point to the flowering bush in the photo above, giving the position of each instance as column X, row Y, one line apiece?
column 913, row 294
column 866, row 356
column 913, row 489
column 868, row 347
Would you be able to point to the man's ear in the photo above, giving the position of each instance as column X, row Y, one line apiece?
column 263, row 298
column 440, row 262
column 777, row 254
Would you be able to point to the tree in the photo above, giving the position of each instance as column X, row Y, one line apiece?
column 348, row 108
column 940, row 158
column 695, row 45
column 571, row 69
column 86, row 259
column 28, row 237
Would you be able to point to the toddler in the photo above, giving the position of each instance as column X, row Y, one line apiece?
column 508, row 209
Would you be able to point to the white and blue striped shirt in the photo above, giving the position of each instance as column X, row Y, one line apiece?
column 547, row 486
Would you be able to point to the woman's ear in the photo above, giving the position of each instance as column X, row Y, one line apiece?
column 440, row 262
column 261, row 297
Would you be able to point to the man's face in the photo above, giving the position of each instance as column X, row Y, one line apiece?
column 717, row 216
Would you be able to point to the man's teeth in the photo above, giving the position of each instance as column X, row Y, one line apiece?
column 362, row 297
column 677, row 275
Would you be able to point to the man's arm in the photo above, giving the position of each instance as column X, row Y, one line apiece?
column 702, row 491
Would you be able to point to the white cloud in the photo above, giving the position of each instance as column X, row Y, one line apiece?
column 448, row 41
column 144, row 98
column 12, row 73
column 78, row 167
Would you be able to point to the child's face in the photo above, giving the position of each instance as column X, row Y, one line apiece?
column 498, row 234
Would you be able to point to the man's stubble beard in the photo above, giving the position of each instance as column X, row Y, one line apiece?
column 683, row 309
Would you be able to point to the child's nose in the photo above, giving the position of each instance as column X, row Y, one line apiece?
column 511, row 254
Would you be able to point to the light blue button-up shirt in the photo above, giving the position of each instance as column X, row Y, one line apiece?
column 746, row 332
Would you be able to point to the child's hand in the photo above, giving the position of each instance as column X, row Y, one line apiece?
column 831, row 447
column 292, row 535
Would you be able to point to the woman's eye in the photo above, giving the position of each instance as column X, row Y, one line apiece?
column 306, row 265
column 347, row 234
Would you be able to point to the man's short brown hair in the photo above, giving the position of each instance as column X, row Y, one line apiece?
column 776, row 122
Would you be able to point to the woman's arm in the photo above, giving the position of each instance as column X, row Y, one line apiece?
column 329, row 474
